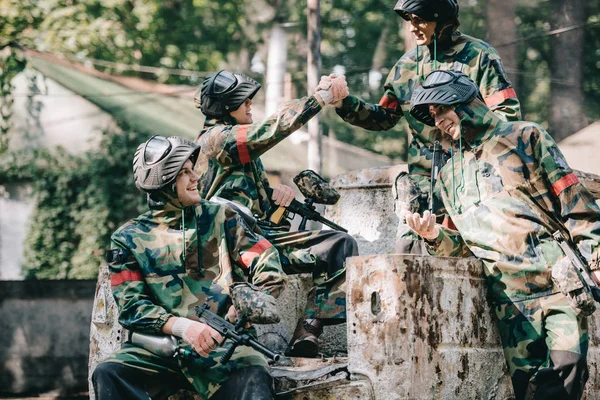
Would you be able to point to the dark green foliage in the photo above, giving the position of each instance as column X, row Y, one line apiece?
column 80, row 202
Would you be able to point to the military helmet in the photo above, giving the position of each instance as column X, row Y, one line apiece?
column 429, row 10
column 441, row 87
column 157, row 161
column 224, row 92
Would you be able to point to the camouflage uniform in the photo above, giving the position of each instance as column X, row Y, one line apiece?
column 506, row 190
column 459, row 52
column 166, row 264
column 229, row 167
column 462, row 53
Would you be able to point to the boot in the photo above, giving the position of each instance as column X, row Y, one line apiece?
column 305, row 341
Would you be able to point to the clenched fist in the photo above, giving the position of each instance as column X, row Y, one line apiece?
column 332, row 89
column 283, row 195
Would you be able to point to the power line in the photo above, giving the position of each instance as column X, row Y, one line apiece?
column 117, row 94
column 550, row 33
column 141, row 68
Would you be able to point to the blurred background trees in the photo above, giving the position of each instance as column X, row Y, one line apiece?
column 550, row 50
column 556, row 75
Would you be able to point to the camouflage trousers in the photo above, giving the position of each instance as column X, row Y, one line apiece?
column 322, row 254
column 140, row 373
column 545, row 345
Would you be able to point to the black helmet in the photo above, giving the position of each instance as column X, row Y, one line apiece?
column 441, row 87
column 429, row 10
column 157, row 161
column 224, row 92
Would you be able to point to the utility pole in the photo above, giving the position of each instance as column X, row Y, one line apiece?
column 276, row 67
column 315, row 142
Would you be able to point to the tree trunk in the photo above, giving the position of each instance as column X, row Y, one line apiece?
column 501, row 28
column 276, row 68
column 566, row 68
column 379, row 57
column 315, row 146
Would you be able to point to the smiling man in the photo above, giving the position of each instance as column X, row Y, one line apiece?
column 434, row 24
column 184, row 252
column 508, row 189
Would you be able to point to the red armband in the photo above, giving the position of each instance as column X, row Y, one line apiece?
column 242, row 144
column 254, row 252
column 499, row 97
column 563, row 183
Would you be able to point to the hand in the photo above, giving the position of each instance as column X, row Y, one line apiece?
column 596, row 276
column 424, row 226
column 201, row 337
column 283, row 195
column 232, row 316
column 325, row 82
column 332, row 90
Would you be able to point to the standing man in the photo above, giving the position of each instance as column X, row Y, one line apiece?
column 440, row 45
column 230, row 167
column 508, row 189
column 182, row 253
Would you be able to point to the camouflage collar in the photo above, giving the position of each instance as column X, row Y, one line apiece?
column 478, row 123
column 228, row 120
column 445, row 41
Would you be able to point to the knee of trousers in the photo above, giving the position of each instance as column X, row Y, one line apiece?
column 104, row 372
column 350, row 245
column 251, row 383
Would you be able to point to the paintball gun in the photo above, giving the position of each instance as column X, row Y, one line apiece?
column 579, row 264
column 315, row 189
column 437, row 162
column 236, row 333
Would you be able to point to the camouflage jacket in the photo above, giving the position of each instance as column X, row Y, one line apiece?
column 466, row 54
column 229, row 165
column 507, row 191
column 155, row 275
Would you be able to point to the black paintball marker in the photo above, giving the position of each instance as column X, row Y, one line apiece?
column 437, row 162
column 315, row 189
column 237, row 333
column 579, row 264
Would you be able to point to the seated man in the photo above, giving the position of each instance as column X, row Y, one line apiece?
column 230, row 168
column 181, row 253
column 508, row 190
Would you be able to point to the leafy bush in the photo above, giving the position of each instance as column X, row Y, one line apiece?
column 80, row 200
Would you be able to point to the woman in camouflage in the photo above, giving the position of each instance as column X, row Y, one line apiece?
column 183, row 252
column 508, row 188
column 230, row 168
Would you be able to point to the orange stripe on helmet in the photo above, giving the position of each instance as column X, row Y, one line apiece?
column 563, row 183
column 125, row 276
column 242, row 144
column 499, row 97
column 255, row 251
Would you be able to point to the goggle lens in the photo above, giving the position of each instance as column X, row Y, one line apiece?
column 156, row 149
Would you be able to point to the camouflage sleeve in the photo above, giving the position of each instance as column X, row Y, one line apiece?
column 255, row 255
column 496, row 89
column 137, row 311
column 245, row 143
column 373, row 117
column 574, row 203
column 449, row 243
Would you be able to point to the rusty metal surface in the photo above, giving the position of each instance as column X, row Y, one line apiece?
column 420, row 328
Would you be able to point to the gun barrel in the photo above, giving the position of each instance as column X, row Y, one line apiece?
column 298, row 208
